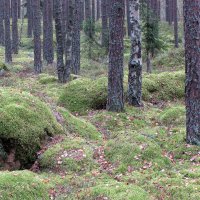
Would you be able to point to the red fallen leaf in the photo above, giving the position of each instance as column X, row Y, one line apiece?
column 130, row 169
column 45, row 181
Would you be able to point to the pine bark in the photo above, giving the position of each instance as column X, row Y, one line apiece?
column 104, row 18
column 98, row 9
column 8, row 45
column 135, row 63
column 61, row 69
column 115, row 73
column 192, row 55
column 87, row 10
column 176, row 24
column 19, row 8
column 2, row 22
column 48, row 50
column 15, row 34
column 30, row 18
column 128, row 17
column 93, row 10
column 76, row 39
column 37, row 36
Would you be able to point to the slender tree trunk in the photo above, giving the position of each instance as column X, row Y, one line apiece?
column 19, row 9
column 69, row 39
column 37, row 35
column 176, row 24
column 82, row 11
column 48, row 50
column 135, row 63
column 192, row 55
column 98, row 9
column 149, row 67
column 104, row 18
column 76, row 39
column 15, row 34
column 128, row 18
column 87, row 10
column 30, row 18
column 61, row 70
column 2, row 23
column 8, row 46
column 115, row 73
column 93, row 10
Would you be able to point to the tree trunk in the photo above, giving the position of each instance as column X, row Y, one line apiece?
column 149, row 67
column 192, row 55
column 98, row 9
column 115, row 73
column 128, row 18
column 76, row 39
column 48, row 50
column 15, row 35
column 87, row 10
column 176, row 24
column 8, row 46
column 135, row 63
column 59, row 38
column 37, row 34
column 19, row 8
column 30, row 19
column 1, row 22
column 93, row 10
column 104, row 18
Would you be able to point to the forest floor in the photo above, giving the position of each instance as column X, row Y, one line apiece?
column 138, row 154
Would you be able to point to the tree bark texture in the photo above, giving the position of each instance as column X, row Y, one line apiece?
column 2, row 22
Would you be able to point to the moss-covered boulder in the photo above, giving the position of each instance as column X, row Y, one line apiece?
column 46, row 79
column 25, row 122
column 18, row 185
column 72, row 155
column 85, row 94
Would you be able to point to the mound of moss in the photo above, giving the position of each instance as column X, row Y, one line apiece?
column 174, row 115
column 79, row 126
column 18, row 185
column 85, row 94
column 3, row 66
column 71, row 155
column 46, row 79
column 25, row 122
column 111, row 189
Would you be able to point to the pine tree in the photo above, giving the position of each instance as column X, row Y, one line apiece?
column 192, row 55
column 48, row 50
column 115, row 73
column 30, row 18
column 176, row 24
column 135, row 63
column 37, row 36
column 2, row 22
column 8, row 46
column 15, row 35
column 104, row 17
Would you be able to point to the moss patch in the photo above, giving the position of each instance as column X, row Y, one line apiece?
column 24, row 122
column 24, row 185
column 46, row 79
column 71, row 155
column 79, row 126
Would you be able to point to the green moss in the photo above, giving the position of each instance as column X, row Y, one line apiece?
column 27, row 43
column 111, row 189
column 24, row 122
column 174, row 115
column 22, row 185
column 85, row 94
column 3, row 66
column 58, row 156
column 46, row 79
column 80, row 126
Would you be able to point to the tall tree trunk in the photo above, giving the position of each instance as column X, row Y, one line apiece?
column 76, row 39
column 48, row 50
column 149, row 67
column 82, row 7
column 104, row 18
column 176, row 24
column 87, row 10
column 19, row 8
column 61, row 70
column 93, row 10
column 68, row 46
column 15, row 34
column 128, row 18
column 135, row 63
column 115, row 73
column 30, row 18
column 98, row 9
column 37, row 34
column 8, row 46
column 1, row 22
column 192, row 55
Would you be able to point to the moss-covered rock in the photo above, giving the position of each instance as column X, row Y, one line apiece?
column 79, row 126
column 18, row 185
column 86, row 94
column 71, row 155
column 25, row 121
column 46, row 79
column 174, row 115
